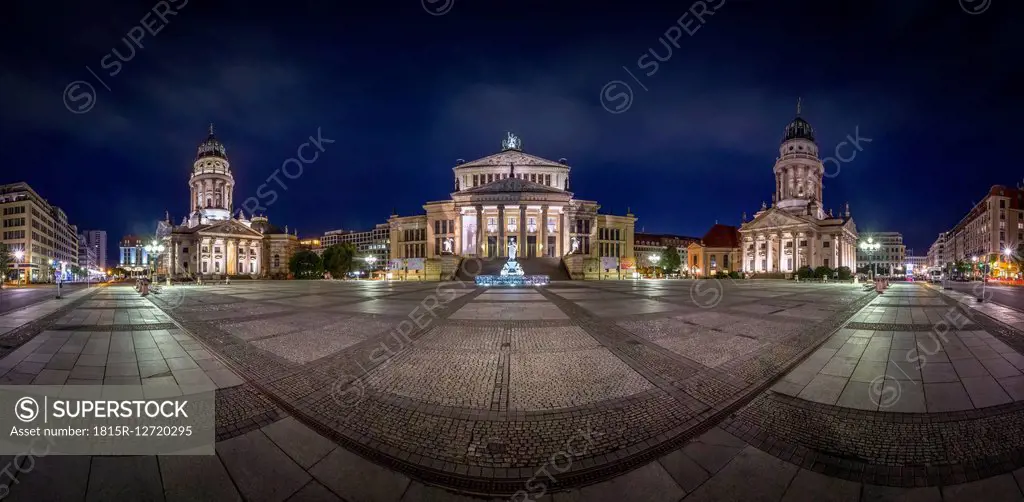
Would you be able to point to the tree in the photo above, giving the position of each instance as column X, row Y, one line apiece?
column 844, row 273
column 6, row 259
column 306, row 265
column 340, row 259
column 670, row 259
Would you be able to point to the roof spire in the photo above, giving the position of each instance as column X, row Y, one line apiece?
column 211, row 128
column 798, row 102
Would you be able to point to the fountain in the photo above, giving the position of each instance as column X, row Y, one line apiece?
column 512, row 273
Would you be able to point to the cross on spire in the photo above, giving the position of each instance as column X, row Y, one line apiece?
column 211, row 128
column 798, row 102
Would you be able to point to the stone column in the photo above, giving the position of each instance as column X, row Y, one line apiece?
column 563, row 234
column 479, row 230
column 230, row 255
column 521, row 240
column 835, row 251
column 501, row 251
column 457, row 245
column 768, row 246
column 431, row 250
column 542, row 244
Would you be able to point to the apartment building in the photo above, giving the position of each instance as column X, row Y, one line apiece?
column 889, row 259
column 39, row 230
column 992, row 226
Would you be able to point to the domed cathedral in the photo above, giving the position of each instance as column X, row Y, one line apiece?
column 210, row 241
column 796, row 231
column 512, row 197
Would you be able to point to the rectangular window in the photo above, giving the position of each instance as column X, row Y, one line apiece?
column 714, row 262
column 825, row 245
column 476, row 180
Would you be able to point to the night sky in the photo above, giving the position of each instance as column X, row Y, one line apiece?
column 404, row 93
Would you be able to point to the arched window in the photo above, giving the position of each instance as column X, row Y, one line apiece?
column 277, row 260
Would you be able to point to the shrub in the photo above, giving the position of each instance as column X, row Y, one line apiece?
column 845, row 273
column 823, row 271
column 735, row 275
column 805, row 272
column 721, row 275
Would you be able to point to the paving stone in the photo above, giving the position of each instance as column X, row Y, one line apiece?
column 352, row 477
column 315, row 492
column 985, row 391
column 911, row 399
column 87, row 373
column 969, row 368
column 1014, row 387
column 260, row 469
column 196, row 477
column 302, row 444
column 51, row 478
column 648, row 483
column 1002, row 488
column 824, row 389
column 124, row 478
column 684, row 470
column 858, row 395
column 51, row 377
column 809, row 485
column 937, row 372
column 751, row 475
column 874, row 493
column 714, row 449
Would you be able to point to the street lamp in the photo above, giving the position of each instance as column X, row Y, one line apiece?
column 154, row 250
column 18, row 255
column 370, row 260
column 653, row 258
column 869, row 248
column 1007, row 253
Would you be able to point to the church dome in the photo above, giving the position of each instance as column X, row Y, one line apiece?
column 798, row 129
column 211, row 147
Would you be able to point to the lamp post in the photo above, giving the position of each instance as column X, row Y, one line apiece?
column 153, row 250
column 654, row 258
column 18, row 255
column 1007, row 253
column 370, row 260
column 59, row 275
column 869, row 248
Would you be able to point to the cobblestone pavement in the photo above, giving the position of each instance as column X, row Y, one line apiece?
column 676, row 397
column 476, row 390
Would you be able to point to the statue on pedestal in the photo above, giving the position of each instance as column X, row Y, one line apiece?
column 512, row 248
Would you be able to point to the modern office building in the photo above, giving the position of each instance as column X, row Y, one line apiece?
column 97, row 240
column 37, row 231
column 86, row 254
column 376, row 242
column 889, row 259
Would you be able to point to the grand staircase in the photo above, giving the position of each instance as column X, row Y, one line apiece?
column 551, row 267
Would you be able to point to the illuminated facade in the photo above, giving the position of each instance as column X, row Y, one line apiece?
column 210, row 241
column 39, row 230
column 796, row 231
column 512, row 196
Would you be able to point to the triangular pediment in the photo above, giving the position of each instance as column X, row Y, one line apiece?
column 512, row 185
column 514, row 157
column 231, row 227
column 773, row 218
